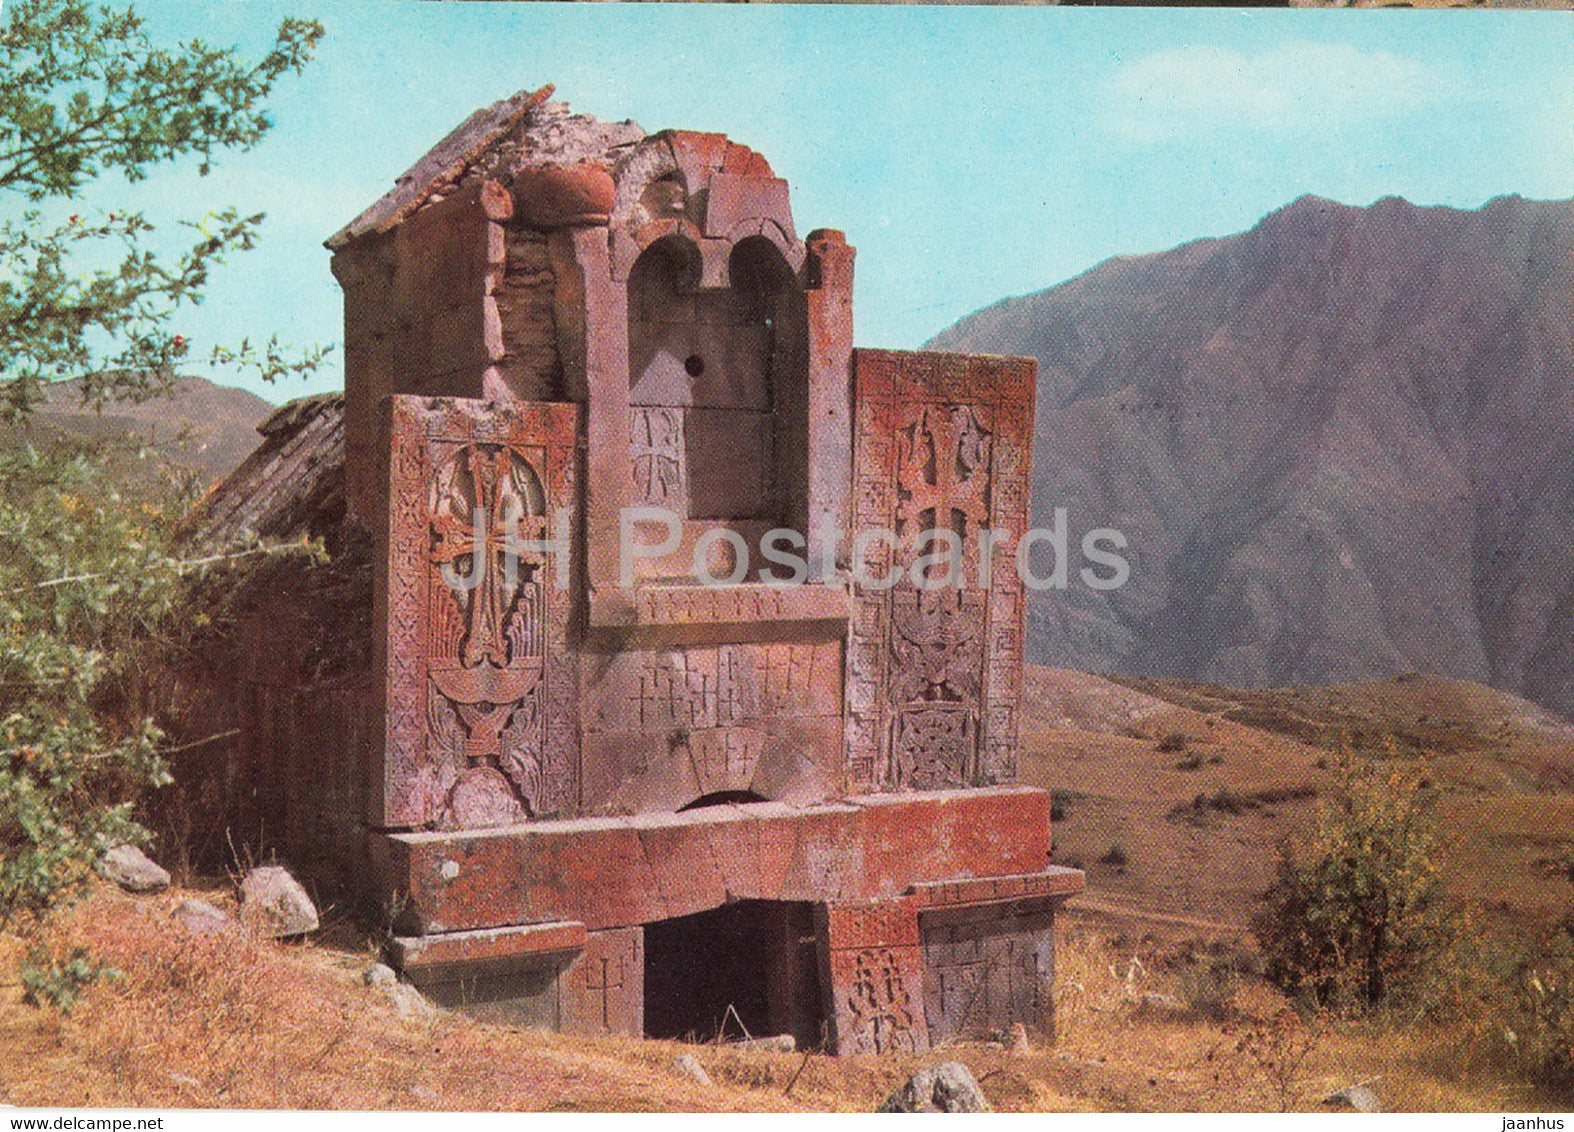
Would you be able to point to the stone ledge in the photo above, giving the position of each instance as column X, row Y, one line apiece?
column 686, row 609
column 1057, row 881
column 419, row 953
column 620, row 871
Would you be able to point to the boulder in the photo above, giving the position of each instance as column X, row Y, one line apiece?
column 379, row 975
column 407, row 1001
column 131, row 869
column 203, row 918
column 1358, row 1097
column 687, row 1065
column 947, row 1087
column 274, row 903
column 776, row 1043
column 1017, row 1041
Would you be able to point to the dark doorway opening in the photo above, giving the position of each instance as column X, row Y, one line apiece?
column 755, row 956
column 722, row 798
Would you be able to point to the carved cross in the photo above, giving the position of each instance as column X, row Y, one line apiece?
column 656, row 449
column 944, row 470
column 603, row 966
column 500, row 515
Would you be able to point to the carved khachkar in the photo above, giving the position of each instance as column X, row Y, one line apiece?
column 481, row 690
column 942, row 444
column 874, row 964
column 987, row 967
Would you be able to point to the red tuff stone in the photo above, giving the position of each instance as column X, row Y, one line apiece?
column 699, row 151
column 744, row 162
column 552, row 760
column 736, row 202
column 564, row 196
column 613, row 872
column 603, row 991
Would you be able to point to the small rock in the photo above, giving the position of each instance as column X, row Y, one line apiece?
column 409, row 1002
column 422, row 1093
column 273, row 902
column 130, row 868
column 1357, row 1097
column 688, row 1066
column 1159, row 1004
column 947, row 1087
column 379, row 975
column 1019, row 1043
column 202, row 918
column 776, row 1043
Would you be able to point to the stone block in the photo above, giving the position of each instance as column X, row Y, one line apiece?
column 467, row 689
column 873, row 977
column 737, row 201
column 603, row 989
column 601, row 871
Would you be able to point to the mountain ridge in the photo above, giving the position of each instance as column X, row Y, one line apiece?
column 1338, row 442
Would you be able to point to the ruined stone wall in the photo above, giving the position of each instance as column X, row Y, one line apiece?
column 529, row 365
column 456, row 302
column 272, row 707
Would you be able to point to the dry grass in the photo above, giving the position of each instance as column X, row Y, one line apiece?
column 1158, row 1006
column 1145, row 1023
column 227, row 1021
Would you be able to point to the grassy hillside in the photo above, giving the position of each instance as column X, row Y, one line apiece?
column 1157, row 1003
column 1194, row 785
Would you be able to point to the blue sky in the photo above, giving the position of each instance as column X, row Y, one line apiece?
column 970, row 153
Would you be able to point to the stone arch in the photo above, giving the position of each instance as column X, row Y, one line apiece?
column 701, row 382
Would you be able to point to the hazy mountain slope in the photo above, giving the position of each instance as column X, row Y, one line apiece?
column 199, row 425
column 1340, row 445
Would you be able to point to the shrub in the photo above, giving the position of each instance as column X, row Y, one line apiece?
column 1274, row 1051
column 1116, row 856
column 60, row 982
column 1354, row 916
column 1540, row 1011
column 83, row 578
column 1173, row 742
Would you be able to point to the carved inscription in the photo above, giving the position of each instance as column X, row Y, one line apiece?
column 941, row 444
column 482, row 705
column 986, row 969
column 879, row 1005
column 876, row 979
column 603, row 991
column 666, row 726
column 657, row 455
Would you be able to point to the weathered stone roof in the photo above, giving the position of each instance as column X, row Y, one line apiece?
column 493, row 142
column 292, row 485
column 442, row 165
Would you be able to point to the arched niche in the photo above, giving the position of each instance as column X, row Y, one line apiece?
column 715, row 384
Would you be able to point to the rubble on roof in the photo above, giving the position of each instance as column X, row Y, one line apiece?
column 494, row 143
column 291, row 486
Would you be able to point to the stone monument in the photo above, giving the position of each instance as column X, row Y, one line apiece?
column 649, row 703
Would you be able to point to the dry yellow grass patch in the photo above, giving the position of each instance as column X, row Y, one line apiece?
column 225, row 1021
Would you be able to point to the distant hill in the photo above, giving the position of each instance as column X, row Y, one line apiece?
column 1195, row 784
column 201, row 426
column 1341, row 445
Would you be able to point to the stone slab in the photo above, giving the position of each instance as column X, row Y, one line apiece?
column 617, row 871
column 872, row 966
column 413, row 952
column 1057, row 881
column 603, row 991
